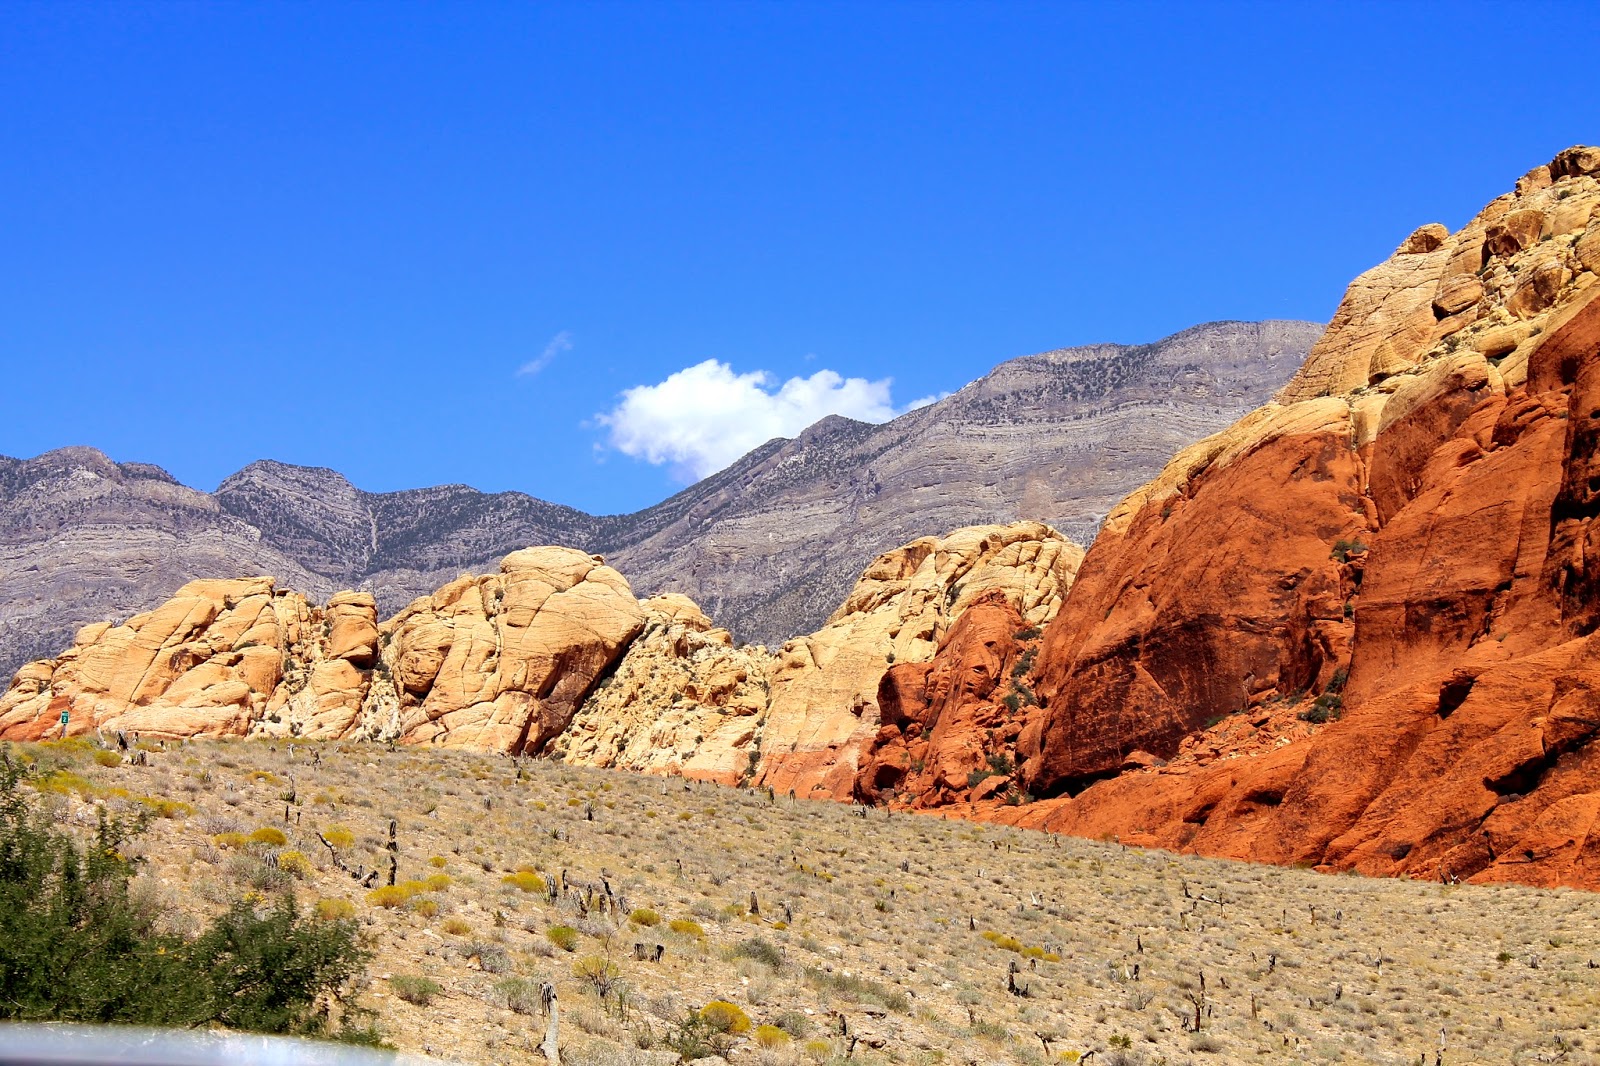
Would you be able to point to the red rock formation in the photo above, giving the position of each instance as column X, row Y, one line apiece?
column 947, row 722
column 1419, row 548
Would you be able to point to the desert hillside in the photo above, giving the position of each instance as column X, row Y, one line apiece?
column 835, row 934
column 1355, row 630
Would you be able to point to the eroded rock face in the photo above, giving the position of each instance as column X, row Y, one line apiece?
column 496, row 663
column 501, row 662
column 948, row 727
column 553, row 655
column 824, row 704
column 683, row 701
column 1405, row 544
column 205, row 662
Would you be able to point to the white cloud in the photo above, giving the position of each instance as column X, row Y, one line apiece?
column 705, row 416
column 561, row 342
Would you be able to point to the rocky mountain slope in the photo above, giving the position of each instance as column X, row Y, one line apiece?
column 1357, row 629
column 768, row 546
column 551, row 655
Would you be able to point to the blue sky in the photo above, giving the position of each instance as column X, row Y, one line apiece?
column 430, row 243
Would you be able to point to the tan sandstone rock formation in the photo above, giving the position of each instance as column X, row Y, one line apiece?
column 501, row 662
column 498, row 662
column 683, row 701
column 551, row 655
column 205, row 662
column 824, row 708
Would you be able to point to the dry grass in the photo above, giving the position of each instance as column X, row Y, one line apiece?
column 904, row 927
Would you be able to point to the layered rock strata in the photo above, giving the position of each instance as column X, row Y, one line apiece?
column 769, row 545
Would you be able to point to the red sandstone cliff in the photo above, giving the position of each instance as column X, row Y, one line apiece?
column 1404, row 543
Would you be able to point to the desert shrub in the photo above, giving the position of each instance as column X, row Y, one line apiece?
column 725, row 1017
column 1327, row 707
column 818, row 1050
column 644, row 916
column 388, row 897
column 75, row 945
column 492, row 957
column 269, row 835
column 562, row 936
column 438, row 862
column 598, row 973
column 230, row 840
column 1001, row 940
column 428, row 908
column 695, row 1038
column 259, row 874
column 686, row 926
column 457, row 926
column 761, row 950
column 295, row 864
column 526, row 880
column 334, row 910
column 107, row 758
column 438, row 882
column 860, row 987
column 518, row 994
column 418, row 990
column 338, row 836
column 770, row 1036
column 165, row 808
column 64, row 782
column 1343, row 549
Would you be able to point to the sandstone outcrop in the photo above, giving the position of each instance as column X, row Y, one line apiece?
column 553, row 656
column 948, row 727
column 1357, row 629
column 683, row 701
column 498, row 663
column 205, row 662
column 501, row 662
column 824, row 704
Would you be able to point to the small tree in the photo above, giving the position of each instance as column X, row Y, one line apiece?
column 74, row 945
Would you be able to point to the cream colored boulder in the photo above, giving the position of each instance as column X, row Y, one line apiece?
column 683, row 701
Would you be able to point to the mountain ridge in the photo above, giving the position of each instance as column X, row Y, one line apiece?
column 767, row 545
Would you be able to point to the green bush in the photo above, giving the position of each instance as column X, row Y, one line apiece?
column 1327, row 707
column 563, row 936
column 75, row 946
column 418, row 990
column 519, row 994
column 761, row 950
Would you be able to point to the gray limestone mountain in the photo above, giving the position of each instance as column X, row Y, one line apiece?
column 767, row 547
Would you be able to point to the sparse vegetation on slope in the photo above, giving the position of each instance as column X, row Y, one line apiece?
column 833, row 934
column 79, row 943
